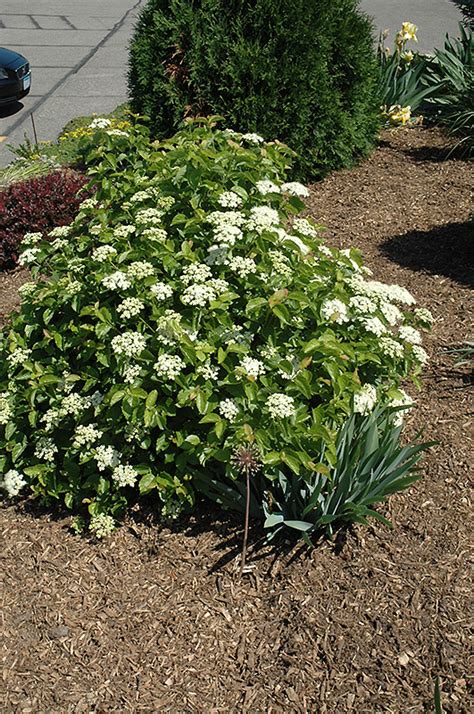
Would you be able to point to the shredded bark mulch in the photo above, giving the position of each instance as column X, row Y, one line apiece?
column 157, row 620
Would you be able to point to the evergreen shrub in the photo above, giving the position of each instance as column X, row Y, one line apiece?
column 301, row 72
column 187, row 324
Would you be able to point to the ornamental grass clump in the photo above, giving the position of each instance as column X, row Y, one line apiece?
column 188, row 317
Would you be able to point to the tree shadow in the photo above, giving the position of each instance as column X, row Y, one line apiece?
column 444, row 250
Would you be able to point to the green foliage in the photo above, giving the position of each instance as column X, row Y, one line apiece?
column 303, row 73
column 467, row 9
column 450, row 74
column 187, row 315
column 24, row 169
column 370, row 465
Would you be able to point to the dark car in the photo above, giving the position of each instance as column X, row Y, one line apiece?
column 15, row 76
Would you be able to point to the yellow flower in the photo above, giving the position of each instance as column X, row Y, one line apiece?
column 408, row 56
column 409, row 31
column 398, row 115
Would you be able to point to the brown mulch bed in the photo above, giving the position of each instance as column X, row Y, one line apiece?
column 157, row 620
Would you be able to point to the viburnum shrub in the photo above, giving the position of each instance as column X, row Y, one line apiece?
column 38, row 204
column 301, row 72
column 189, row 325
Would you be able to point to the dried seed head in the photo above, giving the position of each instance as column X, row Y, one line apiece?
column 246, row 459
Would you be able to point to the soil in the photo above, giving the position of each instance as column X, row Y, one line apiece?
column 157, row 620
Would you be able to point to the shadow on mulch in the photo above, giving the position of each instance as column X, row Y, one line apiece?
column 443, row 250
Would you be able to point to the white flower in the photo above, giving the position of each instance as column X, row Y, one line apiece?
column 124, row 231
column 293, row 188
column 228, row 409
column 390, row 312
column 404, row 400
column 60, row 232
column 219, row 285
column 226, row 218
column 324, row 250
column 28, row 256
column 365, row 400
column 161, row 291
column 12, row 482
column 124, row 475
column 265, row 187
column 86, row 435
column 373, row 325
column 103, row 252
column 169, row 366
column 116, row 132
column 253, row 138
column 409, row 334
column 208, row 371
column 227, row 235
column 155, row 233
column 141, row 196
column 87, row 204
column 116, row 281
column 198, row 295
column 18, row 356
column 280, row 406
column 149, row 217
column 280, row 264
column 217, row 255
column 196, row 273
column 102, row 525
column 391, row 347
column 242, row 266
column 27, row 289
column 95, row 230
column 130, row 307
column 229, row 199
column 129, row 344
column 334, row 311
column 73, row 403
column 45, row 449
column 301, row 225
column 387, row 293
column 251, row 367
column 361, row 304
column 71, row 288
column 140, row 269
column 424, row 315
column 106, row 457
column 31, row 238
column 5, row 409
column 263, row 218
column 420, row 354
column 100, row 123
column 131, row 372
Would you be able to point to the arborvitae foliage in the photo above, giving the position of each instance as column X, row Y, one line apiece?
column 302, row 72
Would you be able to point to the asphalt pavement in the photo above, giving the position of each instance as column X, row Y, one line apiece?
column 78, row 53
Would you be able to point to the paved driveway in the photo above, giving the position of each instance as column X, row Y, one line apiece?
column 78, row 54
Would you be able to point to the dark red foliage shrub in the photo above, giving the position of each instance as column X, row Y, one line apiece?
column 38, row 204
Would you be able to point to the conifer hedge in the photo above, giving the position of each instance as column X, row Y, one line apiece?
column 299, row 71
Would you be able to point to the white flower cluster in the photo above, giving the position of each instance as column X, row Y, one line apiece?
column 101, row 525
column 228, row 409
column 28, row 256
column 141, row 196
column 60, row 232
column 155, row 233
column 265, row 187
column 124, row 231
column 404, row 400
column 140, row 269
column 72, row 287
column 18, row 356
column 280, row 406
column 294, row 188
column 242, row 266
column 116, row 281
column 12, row 482
column 130, row 307
column 5, row 409
column 424, row 315
column 124, row 475
column 334, row 311
column 161, row 291
column 116, row 132
column 149, row 217
column 409, row 334
column 373, row 325
column 361, row 304
column 251, row 367
column 86, row 435
column 208, row 371
column 229, row 199
column 45, row 449
column 280, row 264
column 301, row 225
column 196, row 273
column 263, row 218
column 106, row 457
column 129, row 344
column 100, row 123
column 27, row 289
column 31, row 238
column 169, row 366
column 103, row 252
column 74, row 404
column 252, row 138
column 391, row 313
column 226, row 226
column 383, row 291
column 391, row 347
column 131, row 372
column 198, row 295
column 88, row 204
column 365, row 399
column 420, row 354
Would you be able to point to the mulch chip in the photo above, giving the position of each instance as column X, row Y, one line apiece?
column 156, row 618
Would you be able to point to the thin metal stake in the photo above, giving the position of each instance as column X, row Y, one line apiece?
column 34, row 128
